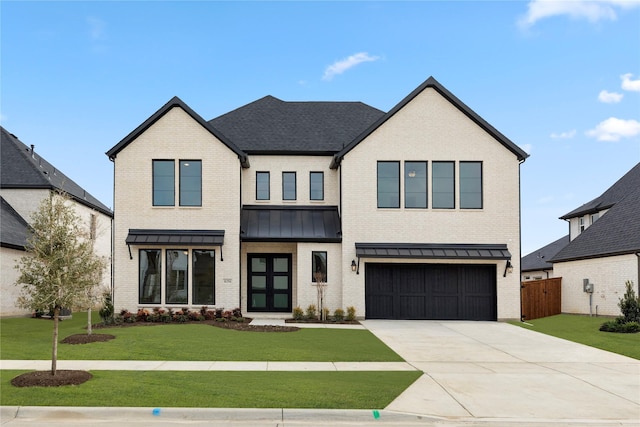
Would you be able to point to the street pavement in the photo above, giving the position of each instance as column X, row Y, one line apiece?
column 474, row 374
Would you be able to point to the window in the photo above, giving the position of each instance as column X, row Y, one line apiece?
column 415, row 184
column 594, row 217
column 388, row 184
column 150, row 264
column 316, row 185
column 288, row 185
column 318, row 266
column 163, row 183
column 471, row 185
column 581, row 223
column 203, row 281
column 190, row 183
column 177, row 273
column 443, row 184
column 262, row 186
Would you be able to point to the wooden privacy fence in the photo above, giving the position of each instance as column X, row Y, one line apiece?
column 541, row 298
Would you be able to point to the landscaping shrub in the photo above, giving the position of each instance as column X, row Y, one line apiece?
column 351, row 313
column 325, row 313
column 312, row 312
column 338, row 315
column 106, row 312
column 298, row 313
column 630, row 304
column 620, row 327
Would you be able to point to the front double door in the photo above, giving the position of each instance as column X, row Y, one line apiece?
column 269, row 282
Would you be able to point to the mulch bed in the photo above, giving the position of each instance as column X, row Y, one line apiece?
column 45, row 379
column 86, row 339
column 238, row 326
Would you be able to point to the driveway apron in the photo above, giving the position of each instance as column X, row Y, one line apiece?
column 493, row 370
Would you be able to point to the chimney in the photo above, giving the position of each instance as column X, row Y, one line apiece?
column 32, row 151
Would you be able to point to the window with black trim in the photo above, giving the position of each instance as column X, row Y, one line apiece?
column 164, row 183
column 470, row 185
column 177, row 276
column 288, row 185
column 415, row 185
column 190, row 183
column 388, row 184
column 149, row 271
column 203, row 281
column 262, row 186
column 316, row 185
column 442, row 185
column 319, row 266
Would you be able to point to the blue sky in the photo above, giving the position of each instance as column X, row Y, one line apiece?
column 560, row 79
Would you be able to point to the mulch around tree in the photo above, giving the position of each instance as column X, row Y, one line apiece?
column 86, row 339
column 45, row 379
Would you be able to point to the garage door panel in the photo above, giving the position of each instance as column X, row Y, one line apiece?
column 430, row 291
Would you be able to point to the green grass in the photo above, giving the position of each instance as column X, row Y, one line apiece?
column 29, row 339
column 330, row 390
column 584, row 330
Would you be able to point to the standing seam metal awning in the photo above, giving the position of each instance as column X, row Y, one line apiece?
column 433, row 251
column 290, row 224
column 175, row 237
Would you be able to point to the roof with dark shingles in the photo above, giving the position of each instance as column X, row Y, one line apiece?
column 617, row 231
column 14, row 230
column 539, row 259
column 270, row 125
column 613, row 195
column 21, row 168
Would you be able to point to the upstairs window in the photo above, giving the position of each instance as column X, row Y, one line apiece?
column 388, row 184
column 163, row 183
column 415, row 184
column 443, row 185
column 262, row 186
column 288, row 185
column 471, row 185
column 190, row 183
column 316, row 185
column 581, row 223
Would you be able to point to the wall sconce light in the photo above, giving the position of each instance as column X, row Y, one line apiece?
column 508, row 268
column 353, row 265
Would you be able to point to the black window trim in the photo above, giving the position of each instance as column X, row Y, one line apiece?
column 268, row 184
column 295, row 186
column 180, row 181
column 153, row 181
column 426, row 184
column 481, row 182
column 321, row 173
column 453, row 162
column 397, row 162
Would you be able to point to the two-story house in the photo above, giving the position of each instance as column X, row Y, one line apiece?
column 409, row 214
column 26, row 178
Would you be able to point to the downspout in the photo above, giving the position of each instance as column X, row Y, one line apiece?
column 638, row 281
column 240, row 241
column 113, row 231
column 520, row 235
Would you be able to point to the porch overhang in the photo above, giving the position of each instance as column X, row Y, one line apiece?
column 147, row 237
column 433, row 251
column 290, row 224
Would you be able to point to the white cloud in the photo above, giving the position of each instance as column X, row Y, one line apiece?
column 628, row 84
column 609, row 97
column 343, row 65
column 97, row 28
column 564, row 135
column 613, row 129
column 593, row 11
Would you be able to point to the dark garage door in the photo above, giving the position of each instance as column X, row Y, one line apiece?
column 430, row 291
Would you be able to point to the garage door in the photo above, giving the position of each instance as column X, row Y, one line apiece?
column 430, row 291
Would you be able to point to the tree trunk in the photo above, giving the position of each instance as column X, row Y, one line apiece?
column 54, row 354
column 89, row 331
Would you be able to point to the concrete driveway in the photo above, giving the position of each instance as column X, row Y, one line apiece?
column 491, row 370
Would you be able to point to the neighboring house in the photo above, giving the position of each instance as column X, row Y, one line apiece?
column 604, row 248
column 409, row 214
column 537, row 265
column 25, row 180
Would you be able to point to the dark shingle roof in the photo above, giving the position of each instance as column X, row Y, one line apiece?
column 616, row 232
column 22, row 168
column 613, row 195
column 434, row 84
column 272, row 126
column 14, row 230
column 539, row 259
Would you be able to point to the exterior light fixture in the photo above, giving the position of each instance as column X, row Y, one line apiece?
column 353, row 265
column 508, row 268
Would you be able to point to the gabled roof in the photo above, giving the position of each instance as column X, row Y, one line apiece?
column 617, row 232
column 540, row 259
column 433, row 83
column 22, row 167
column 14, row 230
column 176, row 102
column 272, row 126
column 613, row 195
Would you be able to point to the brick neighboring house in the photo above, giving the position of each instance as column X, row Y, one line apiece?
column 409, row 214
column 604, row 247
column 25, row 180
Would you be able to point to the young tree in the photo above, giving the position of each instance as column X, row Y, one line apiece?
column 60, row 266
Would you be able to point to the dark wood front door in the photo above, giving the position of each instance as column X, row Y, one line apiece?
column 269, row 282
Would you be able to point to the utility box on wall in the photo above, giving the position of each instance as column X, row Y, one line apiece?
column 586, row 286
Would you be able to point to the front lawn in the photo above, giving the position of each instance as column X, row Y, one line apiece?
column 29, row 339
column 584, row 330
column 157, row 389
